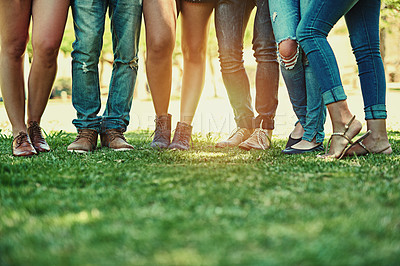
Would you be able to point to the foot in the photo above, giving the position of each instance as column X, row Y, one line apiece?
column 115, row 140
column 295, row 136
column 259, row 140
column 342, row 136
column 298, row 131
column 376, row 142
column 182, row 137
column 162, row 133
column 22, row 146
column 304, row 146
column 35, row 134
column 240, row 135
column 86, row 141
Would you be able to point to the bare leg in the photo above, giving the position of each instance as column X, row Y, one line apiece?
column 48, row 22
column 195, row 26
column 14, row 25
column 160, row 20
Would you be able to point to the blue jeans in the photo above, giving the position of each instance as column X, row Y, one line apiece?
column 303, row 88
column 231, row 18
column 362, row 19
column 89, row 20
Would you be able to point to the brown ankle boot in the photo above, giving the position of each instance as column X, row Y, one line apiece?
column 162, row 133
column 85, row 141
column 182, row 137
column 115, row 140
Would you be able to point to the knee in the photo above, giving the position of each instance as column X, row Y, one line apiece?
column 15, row 48
column 194, row 52
column 265, row 51
column 46, row 50
column 288, row 48
column 160, row 47
column 302, row 33
column 231, row 60
column 288, row 53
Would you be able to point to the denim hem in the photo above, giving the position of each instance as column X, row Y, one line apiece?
column 377, row 111
column 268, row 124
column 334, row 95
column 319, row 137
column 98, row 129
column 112, row 125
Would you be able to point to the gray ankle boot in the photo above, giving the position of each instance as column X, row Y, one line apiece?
column 162, row 133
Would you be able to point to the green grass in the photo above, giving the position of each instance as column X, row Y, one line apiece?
column 205, row 206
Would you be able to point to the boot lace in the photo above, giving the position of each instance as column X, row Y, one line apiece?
column 21, row 138
column 182, row 136
column 35, row 133
column 86, row 134
column 115, row 133
column 160, row 133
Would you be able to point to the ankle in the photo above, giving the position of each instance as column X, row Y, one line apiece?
column 17, row 130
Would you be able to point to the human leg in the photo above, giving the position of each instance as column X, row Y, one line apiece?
column 14, row 26
column 160, row 20
column 89, row 18
column 195, row 26
column 312, row 32
column 302, row 87
column 48, row 23
column 267, row 79
column 365, row 15
column 231, row 19
column 125, row 19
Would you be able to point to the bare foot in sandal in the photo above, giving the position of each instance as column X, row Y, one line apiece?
column 345, row 128
column 376, row 142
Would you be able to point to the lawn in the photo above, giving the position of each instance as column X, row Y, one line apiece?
column 202, row 207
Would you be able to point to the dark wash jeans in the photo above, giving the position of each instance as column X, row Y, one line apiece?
column 362, row 19
column 89, row 20
column 231, row 18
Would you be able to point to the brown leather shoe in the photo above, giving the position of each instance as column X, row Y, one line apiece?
column 38, row 141
column 162, row 133
column 182, row 137
column 114, row 139
column 85, row 141
column 259, row 140
column 22, row 145
column 237, row 137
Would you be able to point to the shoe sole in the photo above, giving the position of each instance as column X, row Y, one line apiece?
column 248, row 147
column 123, row 149
column 78, row 151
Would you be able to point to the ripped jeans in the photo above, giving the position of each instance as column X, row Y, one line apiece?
column 303, row 88
column 89, row 20
column 231, row 18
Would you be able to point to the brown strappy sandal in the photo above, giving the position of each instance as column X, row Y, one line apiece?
column 367, row 150
column 343, row 135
